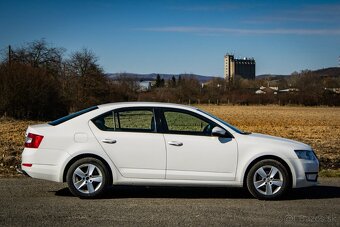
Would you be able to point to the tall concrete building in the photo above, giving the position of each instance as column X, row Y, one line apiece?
column 240, row 67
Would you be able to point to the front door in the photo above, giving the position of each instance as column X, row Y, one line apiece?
column 193, row 153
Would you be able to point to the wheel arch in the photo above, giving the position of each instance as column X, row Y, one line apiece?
column 87, row 155
column 276, row 158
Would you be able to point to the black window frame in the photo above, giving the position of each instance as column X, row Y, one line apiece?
column 160, row 121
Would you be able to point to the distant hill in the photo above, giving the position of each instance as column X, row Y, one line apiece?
column 152, row 76
column 326, row 72
column 271, row 76
column 331, row 72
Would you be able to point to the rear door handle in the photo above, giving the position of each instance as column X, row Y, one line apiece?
column 110, row 141
column 175, row 143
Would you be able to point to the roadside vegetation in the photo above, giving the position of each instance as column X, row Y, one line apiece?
column 40, row 81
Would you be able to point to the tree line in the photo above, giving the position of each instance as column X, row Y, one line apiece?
column 39, row 81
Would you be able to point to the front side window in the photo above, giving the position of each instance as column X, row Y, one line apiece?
column 179, row 122
column 130, row 120
column 225, row 123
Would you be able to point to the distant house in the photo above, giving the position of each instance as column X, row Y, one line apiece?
column 274, row 90
column 289, row 90
column 260, row 92
column 334, row 90
column 145, row 85
column 267, row 90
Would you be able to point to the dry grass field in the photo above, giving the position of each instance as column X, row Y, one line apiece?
column 317, row 126
column 11, row 143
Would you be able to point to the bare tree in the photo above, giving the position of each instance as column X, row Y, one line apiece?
column 86, row 83
column 39, row 54
column 83, row 63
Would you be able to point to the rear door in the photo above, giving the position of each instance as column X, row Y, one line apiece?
column 130, row 138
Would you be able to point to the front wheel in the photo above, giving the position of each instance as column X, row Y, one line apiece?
column 87, row 178
column 268, row 179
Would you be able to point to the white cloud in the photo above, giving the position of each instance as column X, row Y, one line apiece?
column 223, row 30
column 322, row 13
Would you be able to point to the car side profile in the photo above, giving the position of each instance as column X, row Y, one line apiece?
column 145, row 143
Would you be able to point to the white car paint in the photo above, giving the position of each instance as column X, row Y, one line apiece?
column 149, row 159
column 206, row 158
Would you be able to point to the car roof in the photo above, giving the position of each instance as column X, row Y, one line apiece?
column 146, row 104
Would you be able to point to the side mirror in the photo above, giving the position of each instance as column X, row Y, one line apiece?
column 217, row 131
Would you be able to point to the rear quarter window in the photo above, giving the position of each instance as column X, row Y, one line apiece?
column 71, row 116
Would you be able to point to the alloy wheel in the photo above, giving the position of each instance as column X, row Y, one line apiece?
column 87, row 178
column 268, row 180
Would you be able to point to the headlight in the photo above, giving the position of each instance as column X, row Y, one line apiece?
column 305, row 154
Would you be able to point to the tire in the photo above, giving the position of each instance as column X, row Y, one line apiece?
column 88, row 178
column 268, row 179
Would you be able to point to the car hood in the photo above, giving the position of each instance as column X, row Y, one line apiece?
column 279, row 140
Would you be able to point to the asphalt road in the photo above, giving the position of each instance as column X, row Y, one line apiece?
column 31, row 202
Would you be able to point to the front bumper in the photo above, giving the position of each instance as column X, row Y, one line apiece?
column 306, row 173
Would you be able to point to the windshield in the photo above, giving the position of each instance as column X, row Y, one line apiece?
column 224, row 123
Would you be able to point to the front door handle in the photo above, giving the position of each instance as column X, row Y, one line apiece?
column 110, row 141
column 175, row 143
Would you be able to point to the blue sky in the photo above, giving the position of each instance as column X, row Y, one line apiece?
column 182, row 36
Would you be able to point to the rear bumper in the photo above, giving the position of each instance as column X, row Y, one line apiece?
column 21, row 171
column 45, row 172
column 44, row 163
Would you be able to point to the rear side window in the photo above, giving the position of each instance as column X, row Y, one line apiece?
column 129, row 120
column 73, row 115
column 134, row 120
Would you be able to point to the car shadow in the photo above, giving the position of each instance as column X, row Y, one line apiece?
column 118, row 192
column 316, row 192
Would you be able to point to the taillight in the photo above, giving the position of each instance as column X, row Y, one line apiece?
column 33, row 140
column 27, row 164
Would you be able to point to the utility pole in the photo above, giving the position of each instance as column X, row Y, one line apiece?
column 9, row 54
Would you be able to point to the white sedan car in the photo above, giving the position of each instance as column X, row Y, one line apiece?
column 163, row 144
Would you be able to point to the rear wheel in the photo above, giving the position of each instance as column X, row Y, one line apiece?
column 268, row 179
column 87, row 178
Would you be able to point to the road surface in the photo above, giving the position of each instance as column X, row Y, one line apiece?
column 30, row 202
